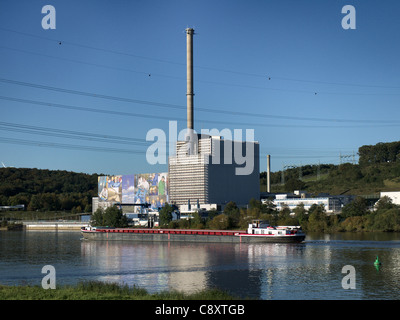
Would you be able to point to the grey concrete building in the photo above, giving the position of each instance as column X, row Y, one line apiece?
column 217, row 171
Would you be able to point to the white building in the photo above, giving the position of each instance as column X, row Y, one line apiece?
column 393, row 195
column 331, row 204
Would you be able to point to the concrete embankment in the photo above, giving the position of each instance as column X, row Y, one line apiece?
column 52, row 225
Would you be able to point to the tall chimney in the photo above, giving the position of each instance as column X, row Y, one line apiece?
column 268, row 173
column 189, row 63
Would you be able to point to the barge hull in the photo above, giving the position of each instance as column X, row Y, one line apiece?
column 165, row 237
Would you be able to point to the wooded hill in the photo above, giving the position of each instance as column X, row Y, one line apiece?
column 378, row 170
column 47, row 190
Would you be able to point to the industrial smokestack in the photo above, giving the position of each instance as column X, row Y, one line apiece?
column 268, row 173
column 189, row 64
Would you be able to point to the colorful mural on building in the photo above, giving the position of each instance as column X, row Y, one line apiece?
column 151, row 188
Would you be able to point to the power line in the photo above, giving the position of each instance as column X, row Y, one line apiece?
column 46, row 144
column 266, row 75
column 181, row 107
column 67, row 146
column 145, row 73
column 21, row 128
column 152, row 74
column 88, row 94
column 87, row 109
column 170, row 118
column 64, row 42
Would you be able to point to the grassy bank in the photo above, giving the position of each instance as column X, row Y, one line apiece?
column 96, row 290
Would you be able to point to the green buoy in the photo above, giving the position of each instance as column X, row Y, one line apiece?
column 377, row 262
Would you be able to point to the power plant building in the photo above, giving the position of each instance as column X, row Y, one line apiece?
column 207, row 169
column 212, row 175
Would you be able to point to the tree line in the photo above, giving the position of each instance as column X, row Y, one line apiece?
column 356, row 216
column 379, row 153
column 47, row 190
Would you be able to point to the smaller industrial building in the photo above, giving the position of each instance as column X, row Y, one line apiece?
column 332, row 204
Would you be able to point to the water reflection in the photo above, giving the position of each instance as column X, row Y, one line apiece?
column 240, row 268
column 310, row 270
column 154, row 266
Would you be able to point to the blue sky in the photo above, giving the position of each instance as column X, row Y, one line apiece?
column 310, row 89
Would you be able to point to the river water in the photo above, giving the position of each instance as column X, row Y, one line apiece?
column 309, row 270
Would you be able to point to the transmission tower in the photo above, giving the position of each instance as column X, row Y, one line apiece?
column 347, row 156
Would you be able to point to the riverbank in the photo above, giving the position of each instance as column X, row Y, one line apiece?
column 96, row 290
column 6, row 226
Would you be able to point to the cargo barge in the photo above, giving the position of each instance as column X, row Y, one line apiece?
column 257, row 232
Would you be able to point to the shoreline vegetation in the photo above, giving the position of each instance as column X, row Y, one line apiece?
column 355, row 217
column 97, row 290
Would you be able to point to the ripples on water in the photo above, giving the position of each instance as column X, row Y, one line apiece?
column 310, row 270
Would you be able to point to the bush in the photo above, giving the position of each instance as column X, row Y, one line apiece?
column 111, row 217
column 220, row 222
column 165, row 215
column 387, row 221
column 354, row 224
column 317, row 219
column 358, row 207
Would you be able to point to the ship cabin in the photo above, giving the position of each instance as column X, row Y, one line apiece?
column 263, row 227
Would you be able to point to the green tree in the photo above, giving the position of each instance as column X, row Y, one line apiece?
column 97, row 218
column 248, row 215
column 233, row 213
column 268, row 207
column 285, row 218
column 294, row 184
column 354, row 223
column 220, row 222
column 284, row 212
column 35, row 203
column 212, row 213
column 253, row 203
column 165, row 214
column 385, row 203
column 300, row 213
column 317, row 218
column 88, row 208
column 388, row 220
column 113, row 217
column 197, row 221
column 21, row 198
column 358, row 207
